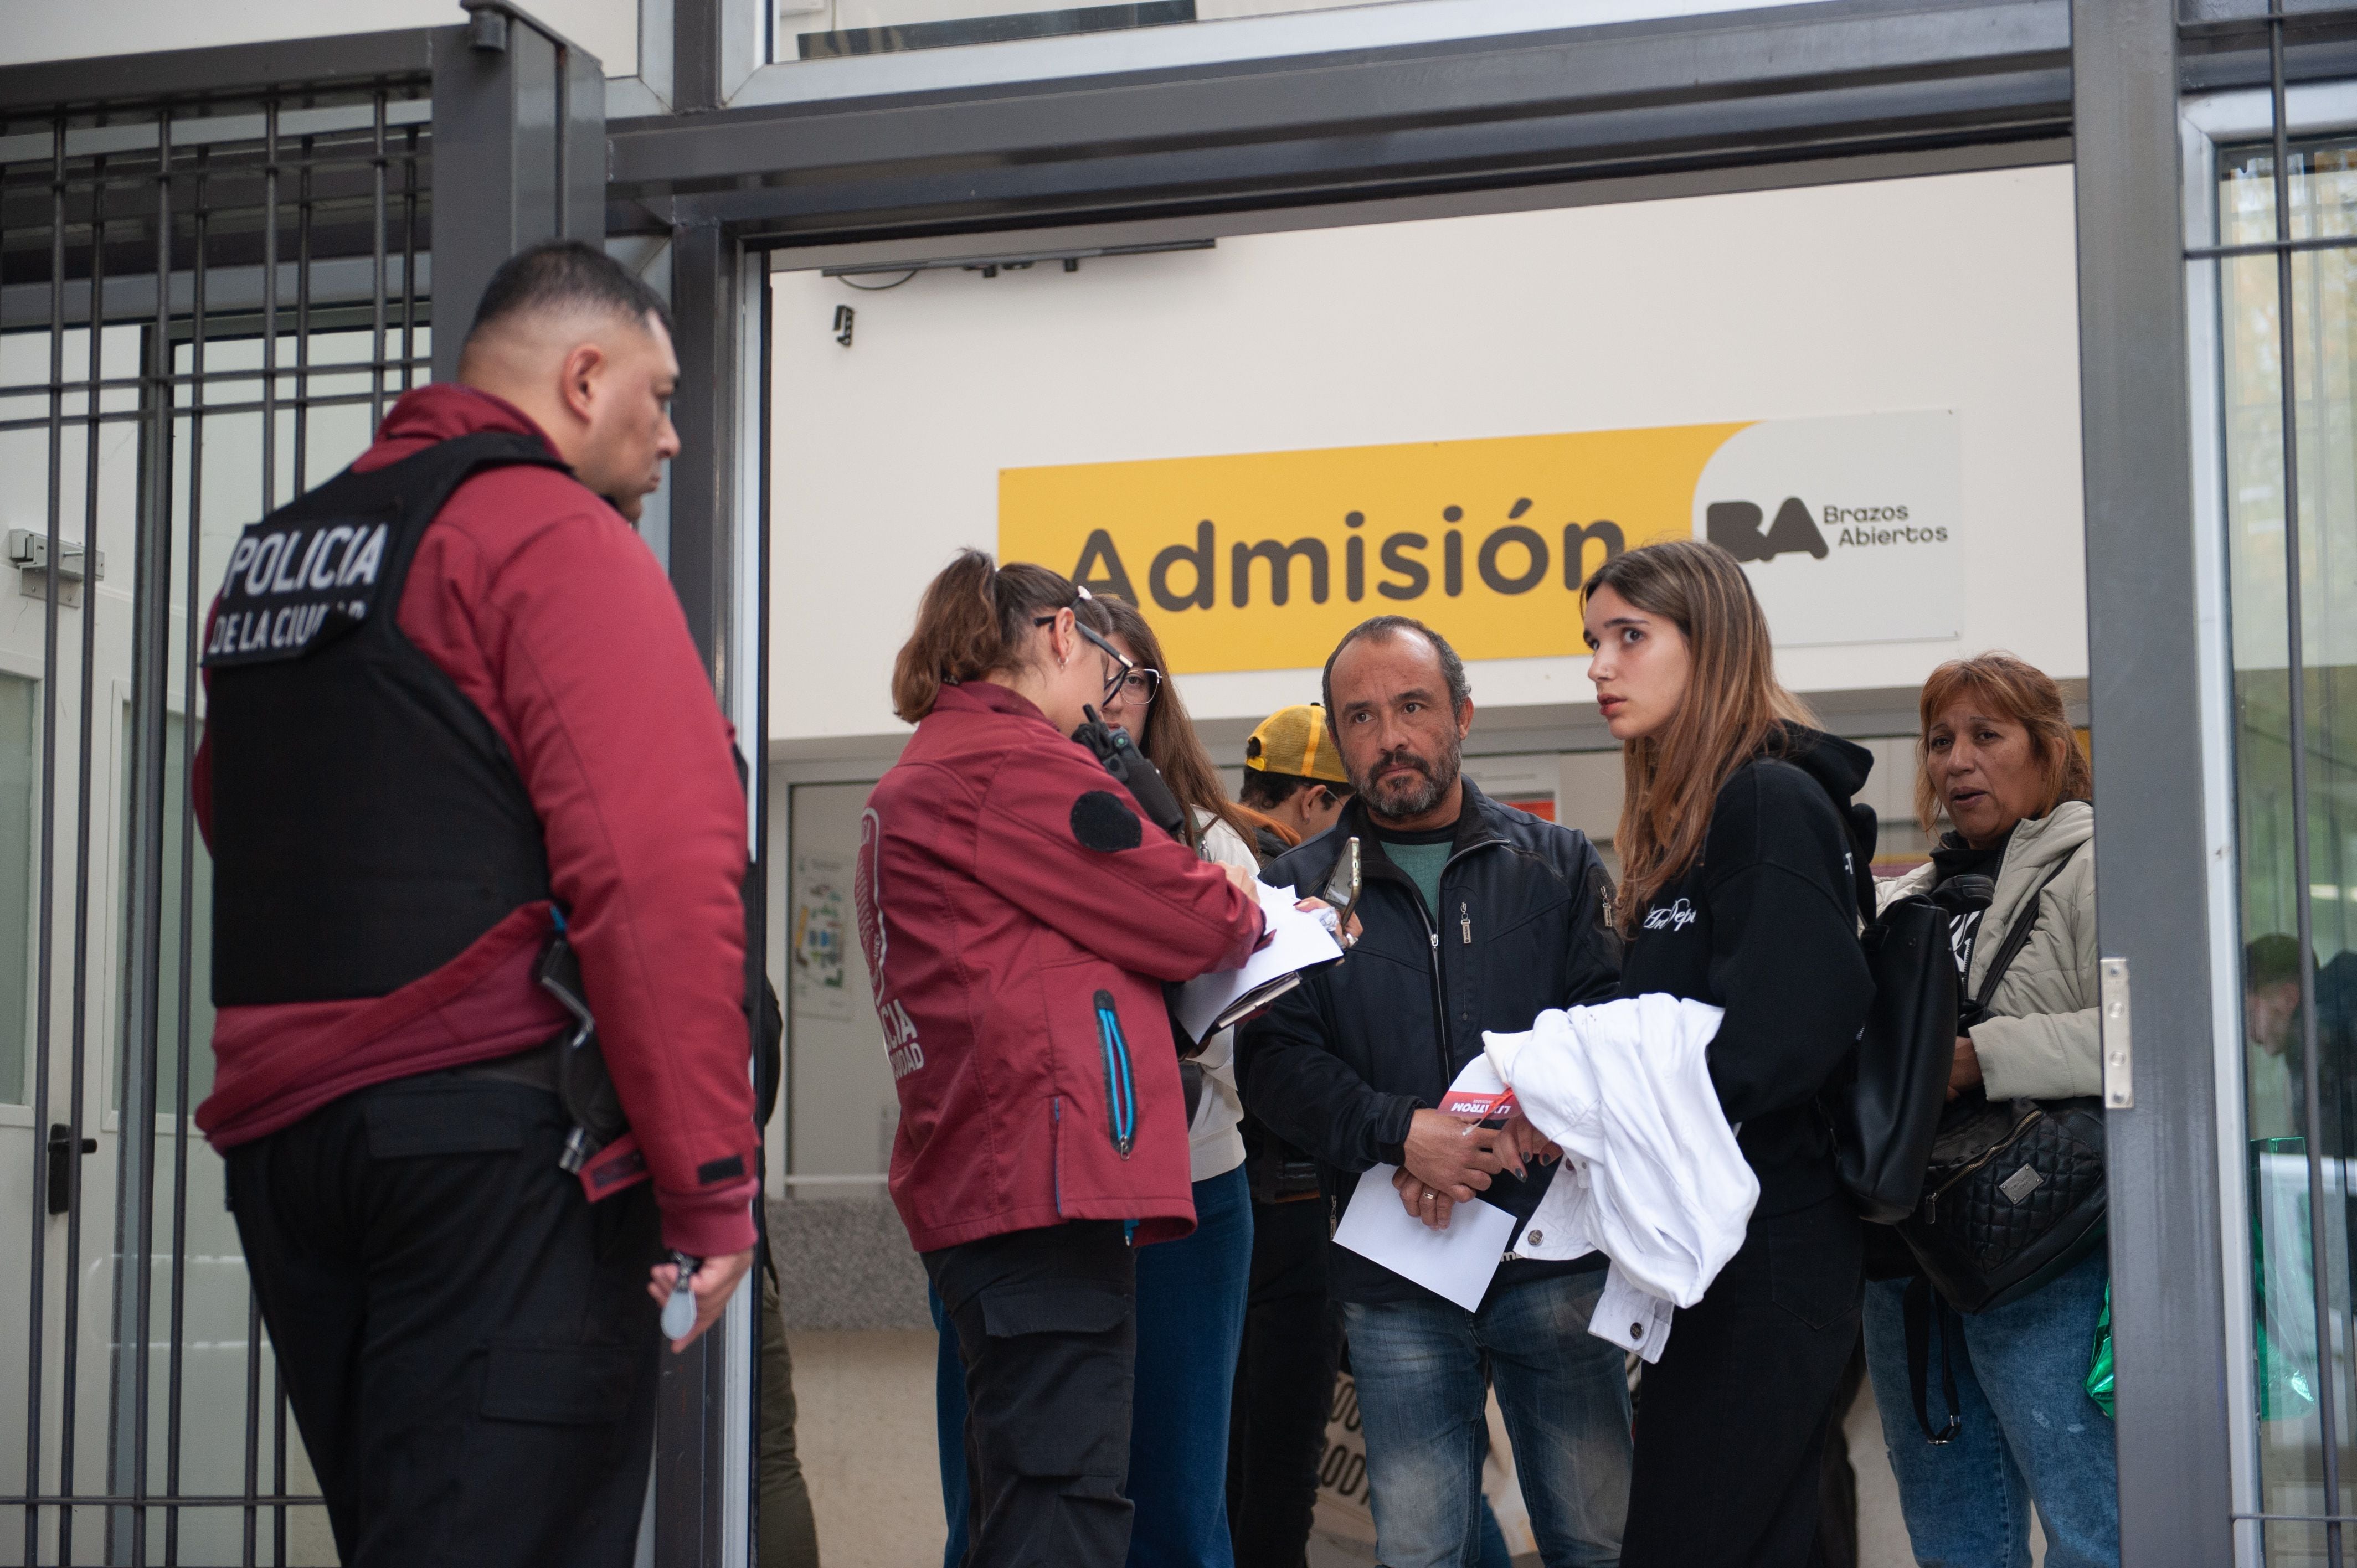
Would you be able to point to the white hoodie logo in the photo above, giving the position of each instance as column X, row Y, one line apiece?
column 1677, row 917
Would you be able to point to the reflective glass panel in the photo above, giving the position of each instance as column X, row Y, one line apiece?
column 2302, row 1138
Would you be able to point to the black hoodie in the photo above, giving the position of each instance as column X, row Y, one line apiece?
column 1764, row 924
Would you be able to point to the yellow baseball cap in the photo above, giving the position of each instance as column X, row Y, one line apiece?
column 1295, row 741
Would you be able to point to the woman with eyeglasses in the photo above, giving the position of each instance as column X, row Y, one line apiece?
column 1018, row 916
column 1190, row 1294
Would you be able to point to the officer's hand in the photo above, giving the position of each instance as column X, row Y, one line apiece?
column 1453, row 1157
column 713, row 1284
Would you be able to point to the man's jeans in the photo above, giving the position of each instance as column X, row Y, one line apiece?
column 2031, row 1434
column 1423, row 1394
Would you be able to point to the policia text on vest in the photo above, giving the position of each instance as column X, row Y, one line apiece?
column 282, row 586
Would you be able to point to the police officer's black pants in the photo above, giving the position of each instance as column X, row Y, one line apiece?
column 468, row 1343
column 1048, row 1331
column 1284, row 1386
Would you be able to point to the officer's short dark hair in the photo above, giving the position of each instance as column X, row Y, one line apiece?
column 562, row 275
column 1452, row 669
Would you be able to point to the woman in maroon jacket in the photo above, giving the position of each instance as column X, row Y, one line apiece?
column 1018, row 917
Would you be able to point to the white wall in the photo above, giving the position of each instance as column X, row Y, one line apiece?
column 1956, row 292
column 44, row 29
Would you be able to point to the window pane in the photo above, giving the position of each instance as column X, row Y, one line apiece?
column 19, row 747
column 2289, row 1369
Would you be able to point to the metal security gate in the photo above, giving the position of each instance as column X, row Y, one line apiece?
column 215, row 274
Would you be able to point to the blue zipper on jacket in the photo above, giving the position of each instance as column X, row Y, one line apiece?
column 1121, row 1087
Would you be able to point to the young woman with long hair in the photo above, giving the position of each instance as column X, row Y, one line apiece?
column 1018, row 917
column 1740, row 888
column 1190, row 1294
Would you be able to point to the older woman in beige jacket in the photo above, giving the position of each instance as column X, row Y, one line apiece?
column 1999, row 762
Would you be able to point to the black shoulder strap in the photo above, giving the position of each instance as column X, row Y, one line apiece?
column 2019, row 937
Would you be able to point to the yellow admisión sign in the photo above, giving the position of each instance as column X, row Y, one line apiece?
column 1263, row 561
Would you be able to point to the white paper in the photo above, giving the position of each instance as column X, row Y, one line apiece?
column 1631, row 1317
column 1296, row 942
column 1455, row 1263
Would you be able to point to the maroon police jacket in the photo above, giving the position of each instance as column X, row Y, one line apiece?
column 1018, row 916
column 555, row 622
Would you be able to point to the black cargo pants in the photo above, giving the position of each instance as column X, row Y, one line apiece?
column 1047, row 1330
column 468, row 1343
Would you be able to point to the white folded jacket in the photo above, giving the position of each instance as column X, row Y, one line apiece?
column 1652, row 1176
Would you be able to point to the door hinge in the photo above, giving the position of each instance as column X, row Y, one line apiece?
column 2119, row 1056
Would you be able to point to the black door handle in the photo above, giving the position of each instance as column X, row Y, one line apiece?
column 64, row 1169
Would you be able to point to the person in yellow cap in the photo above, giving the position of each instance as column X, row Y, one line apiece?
column 1294, row 788
column 1294, row 776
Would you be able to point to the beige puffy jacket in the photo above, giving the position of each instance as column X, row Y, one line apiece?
column 2043, row 1042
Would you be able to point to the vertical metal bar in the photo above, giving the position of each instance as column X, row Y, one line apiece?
column 36, row 1364
column 691, row 1442
column 270, row 308
column 376, row 272
column 142, row 928
column 191, row 612
column 2328, row 1394
column 278, row 1457
column 269, row 504
column 253, row 1420
column 2145, row 691
column 303, row 316
column 409, row 259
column 79, row 1011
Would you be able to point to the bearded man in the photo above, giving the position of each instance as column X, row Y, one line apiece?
column 1477, row 916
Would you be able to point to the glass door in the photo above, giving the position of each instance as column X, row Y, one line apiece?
column 2287, row 400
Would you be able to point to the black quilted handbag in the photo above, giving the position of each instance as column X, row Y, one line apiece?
column 2014, row 1193
column 2014, row 1196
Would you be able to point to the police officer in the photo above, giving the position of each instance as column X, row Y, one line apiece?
column 455, row 711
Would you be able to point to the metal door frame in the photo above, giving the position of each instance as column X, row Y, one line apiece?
column 1845, row 90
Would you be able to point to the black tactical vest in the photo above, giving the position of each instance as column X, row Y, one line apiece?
column 368, row 822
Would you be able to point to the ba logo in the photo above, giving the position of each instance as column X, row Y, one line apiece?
column 1734, row 527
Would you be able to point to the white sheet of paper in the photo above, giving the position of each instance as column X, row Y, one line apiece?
column 1296, row 942
column 1455, row 1263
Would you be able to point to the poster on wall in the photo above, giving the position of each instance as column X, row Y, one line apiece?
column 816, row 936
column 1849, row 527
column 1526, row 783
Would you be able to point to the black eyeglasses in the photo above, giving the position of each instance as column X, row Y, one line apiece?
column 1142, row 685
column 1125, row 671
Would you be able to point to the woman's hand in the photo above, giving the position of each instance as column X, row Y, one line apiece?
column 1246, row 882
column 1529, row 1141
column 1966, row 1073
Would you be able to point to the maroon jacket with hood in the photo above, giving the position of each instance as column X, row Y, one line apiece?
column 1018, row 916
column 555, row 621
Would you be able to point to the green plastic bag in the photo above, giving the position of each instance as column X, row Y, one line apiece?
column 2099, row 1366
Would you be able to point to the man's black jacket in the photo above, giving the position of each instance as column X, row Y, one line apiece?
column 1339, row 1064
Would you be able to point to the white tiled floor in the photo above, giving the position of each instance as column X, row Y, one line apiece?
column 866, row 1434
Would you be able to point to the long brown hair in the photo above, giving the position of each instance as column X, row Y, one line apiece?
column 1170, row 740
column 972, row 621
column 1732, row 711
column 2016, row 690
